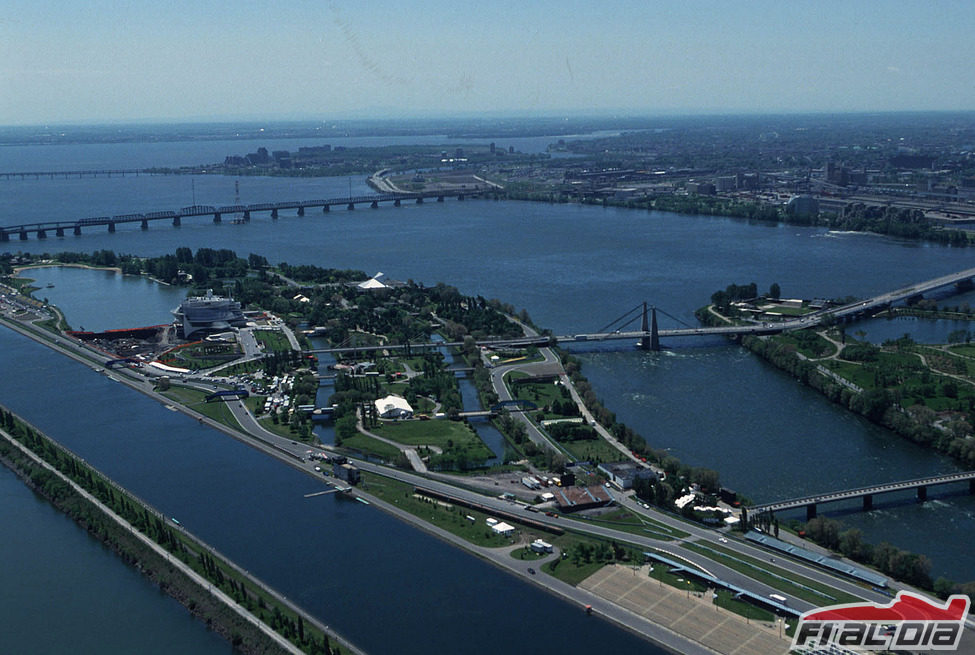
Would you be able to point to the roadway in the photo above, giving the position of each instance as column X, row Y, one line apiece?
column 795, row 503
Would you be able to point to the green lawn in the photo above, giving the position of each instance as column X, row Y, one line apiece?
column 273, row 340
column 365, row 444
column 443, row 434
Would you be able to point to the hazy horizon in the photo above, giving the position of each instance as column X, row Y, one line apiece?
column 190, row 62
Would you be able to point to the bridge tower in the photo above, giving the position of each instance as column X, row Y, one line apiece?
column 653, row 341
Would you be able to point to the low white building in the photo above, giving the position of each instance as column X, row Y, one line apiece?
column 393, row 407
column 503, row 529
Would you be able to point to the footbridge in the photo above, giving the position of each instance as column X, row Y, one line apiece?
column 920, row 485
column 239, row 213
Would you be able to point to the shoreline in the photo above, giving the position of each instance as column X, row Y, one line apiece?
column 189, row 587
column 651, row 632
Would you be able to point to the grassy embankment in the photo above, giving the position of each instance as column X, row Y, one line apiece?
column 246, row 591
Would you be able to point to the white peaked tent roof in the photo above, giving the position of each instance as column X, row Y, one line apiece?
column 373, row 283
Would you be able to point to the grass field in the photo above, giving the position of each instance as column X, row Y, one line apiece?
column 442, row 434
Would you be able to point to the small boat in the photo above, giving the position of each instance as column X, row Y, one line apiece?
column 50, row 285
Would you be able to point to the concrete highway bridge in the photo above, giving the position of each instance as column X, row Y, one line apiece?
column 105, row 172
column 865, row 493
column 241, row 213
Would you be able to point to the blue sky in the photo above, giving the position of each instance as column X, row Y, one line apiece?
column 180, row 60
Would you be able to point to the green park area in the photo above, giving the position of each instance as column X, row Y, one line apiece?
column 447, row 441
column 273, row 340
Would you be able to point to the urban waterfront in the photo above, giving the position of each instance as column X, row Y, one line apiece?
column 574, row 269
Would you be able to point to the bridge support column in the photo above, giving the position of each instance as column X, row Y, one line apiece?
column 325, row 209
column 971, row 483
column 59, row 232
column 867, row 502
column 217, row 218
column 650, row 341
column 419, row 200
column 301, row 211
column 23, row 235
column 111, row 228
column 41, row 234
column 397, row 203
column 4, row 236
column 247, row 216
column 145, row 224
column 77, row 230
column 922, row 494
column 274, row 213
column 176, row 221
column 460, row 197
column 351, row 206
column 439, row 198
column 810, row 511
column 374, row 205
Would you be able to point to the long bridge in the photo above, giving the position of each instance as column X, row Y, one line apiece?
column 649, row 335
column 103, row 172
column 242, row 213
column 866, row 493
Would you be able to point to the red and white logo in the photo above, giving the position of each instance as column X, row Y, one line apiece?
column 910, row 622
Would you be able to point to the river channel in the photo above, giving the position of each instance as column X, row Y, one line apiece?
column 574, row 269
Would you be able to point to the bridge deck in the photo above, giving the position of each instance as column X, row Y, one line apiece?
column 795, row 503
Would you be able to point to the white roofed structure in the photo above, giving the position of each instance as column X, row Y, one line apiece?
column 375, row 282
column 393, row 407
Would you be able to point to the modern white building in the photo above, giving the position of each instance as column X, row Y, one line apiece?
column 393, row 407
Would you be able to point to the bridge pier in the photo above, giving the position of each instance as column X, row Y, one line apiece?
column 217, row 218
column 439, row 198
column 922, row 494
column 650, row 341
column 374, row 205
column 111, row 227
column 247, row 216
column 41, row 234
column 351, row 206
column 460, row 197
column 419, row 200
column 325, row 209
column 397, row 203
column 810, row 511
column 176, row 222
column 4, row 236
column 301, row 211
column 77, row 230
column 23, row 235
column 145, row 224
column 867, row 502
column 59, row 232
column 274, row 213
column 971, row 483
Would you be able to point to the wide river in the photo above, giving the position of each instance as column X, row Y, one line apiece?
column 574, row 269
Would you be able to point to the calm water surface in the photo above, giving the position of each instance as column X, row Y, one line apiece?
column 574, row 269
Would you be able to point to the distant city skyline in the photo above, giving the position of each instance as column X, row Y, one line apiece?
column 309, row 60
